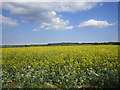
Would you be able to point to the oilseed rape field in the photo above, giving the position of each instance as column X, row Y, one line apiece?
column 84, row 66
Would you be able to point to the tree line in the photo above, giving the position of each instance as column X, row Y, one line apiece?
column 63, row 44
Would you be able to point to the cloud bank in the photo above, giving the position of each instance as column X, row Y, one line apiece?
column 60, row 0
column 46, row 13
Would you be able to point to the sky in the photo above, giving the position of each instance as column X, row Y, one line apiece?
column 41, row 23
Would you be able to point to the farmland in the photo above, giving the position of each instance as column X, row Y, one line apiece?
column 60, row 67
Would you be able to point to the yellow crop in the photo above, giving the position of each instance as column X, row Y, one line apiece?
column 63, row 66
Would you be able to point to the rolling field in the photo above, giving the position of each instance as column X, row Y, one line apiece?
column 82, row 66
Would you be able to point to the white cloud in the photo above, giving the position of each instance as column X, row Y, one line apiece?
column 6, row 21
column 46, row 13
column 74, row 6
column 57, row 24
column 95, row 23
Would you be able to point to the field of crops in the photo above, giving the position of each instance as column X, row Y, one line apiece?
column 60, row 67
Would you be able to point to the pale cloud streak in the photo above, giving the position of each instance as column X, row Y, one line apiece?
column 6, row 21
column 101, row 4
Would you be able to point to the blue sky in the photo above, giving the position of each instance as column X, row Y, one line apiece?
column 74, row 22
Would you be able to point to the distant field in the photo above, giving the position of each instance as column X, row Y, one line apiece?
column 82, row 66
